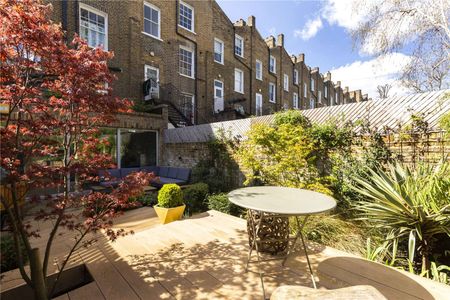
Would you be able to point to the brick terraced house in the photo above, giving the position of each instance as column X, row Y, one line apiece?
column 190, row 56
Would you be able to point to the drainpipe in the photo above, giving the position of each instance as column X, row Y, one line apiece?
column 177, row 4
column 77, row 16
column 64, row 16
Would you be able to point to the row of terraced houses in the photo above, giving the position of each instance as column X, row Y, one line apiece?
column 190, row 56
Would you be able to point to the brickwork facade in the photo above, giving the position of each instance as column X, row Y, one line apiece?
column 208, row 67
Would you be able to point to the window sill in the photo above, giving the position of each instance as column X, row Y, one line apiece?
column 272, row 101
column 187, row 29
column 260, row 79
column 152, row 36
column 219, row 62
column 240, row 92
column 191, row 77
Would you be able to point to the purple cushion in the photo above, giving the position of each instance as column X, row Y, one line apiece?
column 172, row 172
column 125, row 171
column 110, row 173
column 151, row 169
column 165, row 180
column 163, row 171
column 183, row 174
column 110, row 183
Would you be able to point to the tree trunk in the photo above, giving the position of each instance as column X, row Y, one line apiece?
column 37, row 276
column 425, row 256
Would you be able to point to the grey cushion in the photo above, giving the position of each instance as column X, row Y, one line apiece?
column 163, row 171
column 183, row 174
column 151, row 169
column 165, row 180
column 172, row 172
column 125, row 171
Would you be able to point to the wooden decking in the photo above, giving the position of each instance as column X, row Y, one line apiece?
column 203, row 258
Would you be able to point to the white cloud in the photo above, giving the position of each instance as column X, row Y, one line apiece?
column 310, row 29
column 344, row 13
column 367, row 75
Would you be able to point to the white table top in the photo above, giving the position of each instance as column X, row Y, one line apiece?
column 282, row 200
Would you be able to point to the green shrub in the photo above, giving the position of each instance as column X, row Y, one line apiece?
column 292, row 117
column 221, row 203
column 195, row 197
column 410, row 204
column 9, row 258
column 170, row 195
column 147, row 199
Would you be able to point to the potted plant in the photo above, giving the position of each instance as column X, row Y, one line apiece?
column 170, row 205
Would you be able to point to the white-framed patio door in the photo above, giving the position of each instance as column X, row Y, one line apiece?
column 258, row 104
column 218, row 96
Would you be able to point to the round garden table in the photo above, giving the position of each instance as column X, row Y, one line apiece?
column 271, row 201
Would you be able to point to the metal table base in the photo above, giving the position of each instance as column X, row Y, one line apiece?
column 299, row 234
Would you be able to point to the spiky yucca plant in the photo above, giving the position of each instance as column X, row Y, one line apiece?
column 408, row 204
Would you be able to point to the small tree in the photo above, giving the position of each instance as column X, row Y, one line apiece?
column 419, row 26
column 57, row 95
column 383, row 90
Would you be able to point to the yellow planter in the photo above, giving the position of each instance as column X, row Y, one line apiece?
column 167, row 215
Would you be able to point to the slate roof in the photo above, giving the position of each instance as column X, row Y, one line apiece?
column 380, row 113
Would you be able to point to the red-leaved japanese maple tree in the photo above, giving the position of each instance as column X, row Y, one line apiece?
column 58, row 95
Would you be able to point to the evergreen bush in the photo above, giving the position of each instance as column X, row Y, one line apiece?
column 195, row 197
column 170, row 196
column 221, row 203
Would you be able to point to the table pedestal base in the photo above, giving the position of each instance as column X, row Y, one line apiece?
column 255, row 226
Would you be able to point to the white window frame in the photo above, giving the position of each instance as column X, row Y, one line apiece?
column 223, row 51
column 259, row 75
column 146, row 67
column 240, row 88
column 192, row 64
column 305, row 90
column 223, row 95
column 295, row 101
column 319, row 96
column 258, row 110
column 311, row 103
column 295, row 76
column 274, row 99
column 331, row 101
column 286, row 82
column 193, row 105
column 159, row 20
column 272, row 64
column 238, row 37
column 313, row 83
column 325, row 90
column 193, row 16
column 97, row 12
column 336, row 97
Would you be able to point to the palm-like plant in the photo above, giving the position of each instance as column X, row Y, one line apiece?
column 408, row 203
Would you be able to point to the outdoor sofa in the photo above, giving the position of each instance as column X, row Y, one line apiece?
column 164, row 175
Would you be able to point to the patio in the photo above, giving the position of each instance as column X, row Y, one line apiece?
column 203, row 257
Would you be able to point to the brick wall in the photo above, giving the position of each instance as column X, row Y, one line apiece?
column 134, row 49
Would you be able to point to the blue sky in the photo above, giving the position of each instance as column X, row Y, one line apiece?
column 320, row 30
column 275, row 17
